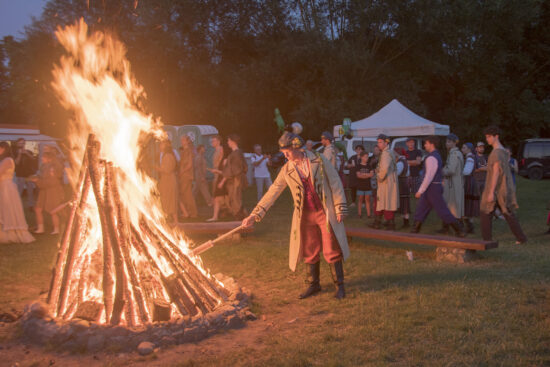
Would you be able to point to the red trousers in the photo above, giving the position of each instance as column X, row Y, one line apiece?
column 388, row 214
column 315, row 234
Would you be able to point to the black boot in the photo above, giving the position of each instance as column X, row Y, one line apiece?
column 337, row 271
column 377, row 224
column 390, row 225
column 469, row 225
column 416, row 227
column 458, row 228
column 444, row 229
column 312, row 279
column 405, row 223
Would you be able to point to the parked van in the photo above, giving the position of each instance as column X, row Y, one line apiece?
column 534, row 158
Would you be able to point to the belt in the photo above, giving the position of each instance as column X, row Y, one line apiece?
column 436, row 183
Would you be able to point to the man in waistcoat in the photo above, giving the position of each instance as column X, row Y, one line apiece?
column 430, row 192
column 319, row 211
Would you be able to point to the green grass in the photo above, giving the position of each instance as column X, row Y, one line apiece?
column 492, row 312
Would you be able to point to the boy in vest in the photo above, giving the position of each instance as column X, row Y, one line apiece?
column 430, row 192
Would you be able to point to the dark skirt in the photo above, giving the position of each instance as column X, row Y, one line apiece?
column 217, row 191
column 414, row 183
column 471, row 197
column 404, row 196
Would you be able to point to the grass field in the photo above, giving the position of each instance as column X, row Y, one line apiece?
column 492, row 312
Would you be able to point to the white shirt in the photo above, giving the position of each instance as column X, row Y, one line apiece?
column 400, row 167
column 260, row 171
column 430, row 166
column 468, row 167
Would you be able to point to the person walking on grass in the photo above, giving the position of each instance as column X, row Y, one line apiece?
column 201, row 184
column 387, row 201
column 50, row 195
column 318, row 215
column 499, row 191
column 13, row 225
column 471, row 190
column 261, row 173
column 402, row 168
column 185, row 177
column 234, row 175
column 363, row 183
column 453, row 184
column 430, row 193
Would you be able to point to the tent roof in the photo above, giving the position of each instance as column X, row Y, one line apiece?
column 394, row 119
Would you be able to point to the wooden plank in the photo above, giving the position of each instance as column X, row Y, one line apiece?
column 422, row 239
column 212, row 228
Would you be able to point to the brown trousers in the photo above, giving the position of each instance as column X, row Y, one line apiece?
column 186, row 197
column 202, row 186
column 315, row 235
column 235, row 194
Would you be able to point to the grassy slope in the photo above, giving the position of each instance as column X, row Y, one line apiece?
column 492, row 312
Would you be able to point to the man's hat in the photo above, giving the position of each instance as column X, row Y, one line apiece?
column 290, row 140
column 384, row 137
column 452, row 137
column 327, row 135
column 470, row 146
column 480, row 144
column 409, row 139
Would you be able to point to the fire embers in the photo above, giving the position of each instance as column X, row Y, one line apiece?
column 110, row 270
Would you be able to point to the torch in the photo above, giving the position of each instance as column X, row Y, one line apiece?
column 209, row 244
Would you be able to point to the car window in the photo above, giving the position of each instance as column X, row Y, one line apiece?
column 546, row 149
column 534, row 150
column 401, row 144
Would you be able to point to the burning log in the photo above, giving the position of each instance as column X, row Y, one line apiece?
column 140, row 273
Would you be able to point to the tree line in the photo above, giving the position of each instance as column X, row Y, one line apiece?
column 230, row 63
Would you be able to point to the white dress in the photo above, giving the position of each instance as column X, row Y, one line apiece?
column 13, row 226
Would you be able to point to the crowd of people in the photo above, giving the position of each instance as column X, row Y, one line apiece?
column 21, row 172
column 183, row 177
column 455, row 189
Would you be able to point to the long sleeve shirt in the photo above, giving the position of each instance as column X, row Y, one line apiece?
column 468, row 167
column 430, row 166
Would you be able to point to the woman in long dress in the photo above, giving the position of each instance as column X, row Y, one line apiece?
column 167, row 184
column 13, row 226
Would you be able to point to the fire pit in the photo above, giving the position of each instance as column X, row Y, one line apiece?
column 122, row 276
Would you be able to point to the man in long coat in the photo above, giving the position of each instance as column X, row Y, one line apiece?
column 330, row 151
column 387, row 194
column 499, row 190
column 453, row 182
column 319, row 210
column 234, row 172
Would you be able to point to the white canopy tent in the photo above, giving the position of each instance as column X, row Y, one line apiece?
column 394, row 119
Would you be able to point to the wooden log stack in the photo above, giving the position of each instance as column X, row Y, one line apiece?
column 137, row 274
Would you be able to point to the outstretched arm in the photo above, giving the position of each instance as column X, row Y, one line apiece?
column 267, row 200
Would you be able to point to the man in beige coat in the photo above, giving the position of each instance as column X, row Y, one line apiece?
column 387, row 194
column 453, row 182
column 319, row 210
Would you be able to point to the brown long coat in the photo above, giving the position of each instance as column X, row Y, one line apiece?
column 387, row 194
column 328, row 186
column 505, row 192
column 168, row 185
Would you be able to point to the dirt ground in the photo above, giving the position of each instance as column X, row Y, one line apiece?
column 249, row 340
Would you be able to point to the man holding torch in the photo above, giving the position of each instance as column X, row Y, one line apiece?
column 319, row 211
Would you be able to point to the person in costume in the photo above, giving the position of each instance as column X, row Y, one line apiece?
column 51, row 194
column 453, row 184
column 480, row 173
column 499, row 190
column 387, row 194
column 185, row 178
column 234, row 173
column 471, row 190
column 402, row 167
column 352, row 165
column 167, row 184
column 319, row 211
column 414, row 160
column 13, row 225
column 329, row 152
column 430, row 192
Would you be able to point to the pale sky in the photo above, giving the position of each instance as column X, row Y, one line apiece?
column 15, row 14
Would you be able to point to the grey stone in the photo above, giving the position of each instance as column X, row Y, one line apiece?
column 234, row 322
column 96, row 343
column 455, row 255
column 145, row 348
column 38, row 310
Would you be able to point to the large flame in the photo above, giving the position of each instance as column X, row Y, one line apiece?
column 95, row 82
